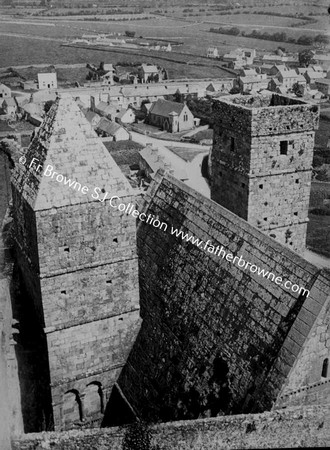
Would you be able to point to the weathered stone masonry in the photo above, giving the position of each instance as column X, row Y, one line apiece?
column 261, row 162
column 214, row 336
column 74, row 253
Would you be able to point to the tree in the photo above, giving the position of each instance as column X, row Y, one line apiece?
column 298, row 89
column 48, row 105
column 306, row 58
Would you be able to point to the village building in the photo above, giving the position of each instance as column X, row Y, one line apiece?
column 126, row 116
column 148, row 73
column 151, row 160
column 312, row 76
column 9, row 106
column 93, row 118
column 323, row 85
column 171, row 116
column 5, row 91
column 252, row 83
column 212, row 52
column 106, row 128
column 47, row 80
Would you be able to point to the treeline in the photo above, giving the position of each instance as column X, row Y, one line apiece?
column 304, row 39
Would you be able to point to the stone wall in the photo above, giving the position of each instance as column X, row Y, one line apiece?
column 74, row 250
column 308, row 382
column 291, row 428
column 261, row 162
column 215, row 336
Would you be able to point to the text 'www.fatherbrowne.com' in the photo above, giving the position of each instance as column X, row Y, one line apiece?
column 220, row 251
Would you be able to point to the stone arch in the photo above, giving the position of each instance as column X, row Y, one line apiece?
column 72, row 408
column 94, row 399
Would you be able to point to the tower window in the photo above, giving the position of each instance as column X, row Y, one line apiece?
column 297, row 181
column 232, row 144
column 284, row 147
column 261, row 186
column 325, row 368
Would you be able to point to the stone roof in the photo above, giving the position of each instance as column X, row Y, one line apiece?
column 108, row 127
column 198, row 305
column 67, row 142
column 165, row 107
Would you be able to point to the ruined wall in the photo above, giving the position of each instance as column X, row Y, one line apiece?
column 309, row 380
column 214, row 336
column 297, row 427
column 261, row 162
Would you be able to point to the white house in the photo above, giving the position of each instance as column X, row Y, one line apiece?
column 212, row 52
column 126, row 116
column 47, row 80
column 5, row 91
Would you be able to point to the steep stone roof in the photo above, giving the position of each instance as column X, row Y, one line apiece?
column 198, row 307
column 67, row 142
column 165, row 107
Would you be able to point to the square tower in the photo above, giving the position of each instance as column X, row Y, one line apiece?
column 77, row 255
column 261, row 162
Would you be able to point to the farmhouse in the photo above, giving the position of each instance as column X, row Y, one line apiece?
column 171, row 116
column 212, row 52
column 47, row 80
column 148, row 73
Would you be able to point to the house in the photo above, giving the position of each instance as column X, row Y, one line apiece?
column 105, row 128
column 152, row 159
column 126, row 116
column 148, row 73
column 107, row 110
column 9, row 106
column 289, row 77
column 28, row 85
column 47, row 80
column 273, row 84
column 323, row 86
column 31, row 109
column 171, row 116
column 312, row 76
column 322, row 60
column 5, row 91
column 240, row 57
column 93, row 118
column 212, row 52
column 252, row 83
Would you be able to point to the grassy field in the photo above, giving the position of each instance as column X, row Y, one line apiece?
column 35, row 45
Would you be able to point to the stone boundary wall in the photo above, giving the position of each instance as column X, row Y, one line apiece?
column 289, row 428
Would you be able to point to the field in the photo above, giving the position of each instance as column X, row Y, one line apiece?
column 30, row 41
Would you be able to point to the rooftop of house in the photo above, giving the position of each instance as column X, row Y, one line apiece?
column 165, row 108
column 10, row 101
column 108, row 127
column 149, row 68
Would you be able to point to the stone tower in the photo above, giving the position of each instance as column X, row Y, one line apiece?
column 261, row 162
column 77, row 256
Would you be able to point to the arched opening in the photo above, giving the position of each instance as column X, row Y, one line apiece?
column 94, row 399
column 325, row 368
column 72, row 408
